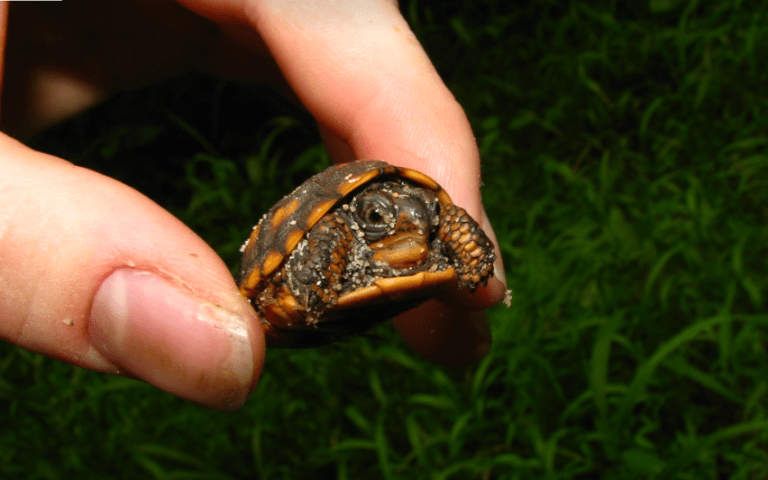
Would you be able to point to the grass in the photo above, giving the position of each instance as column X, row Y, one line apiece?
column 634, row 227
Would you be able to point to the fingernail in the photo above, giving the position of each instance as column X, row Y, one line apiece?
column 161, row 333
column 498, row 264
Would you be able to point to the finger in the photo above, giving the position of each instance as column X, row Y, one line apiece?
column 3, row 32
column 360, row 70
column 440, row 335
column 97, row 275
column 362, row 73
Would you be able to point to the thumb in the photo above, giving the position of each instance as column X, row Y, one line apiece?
column 95, row 274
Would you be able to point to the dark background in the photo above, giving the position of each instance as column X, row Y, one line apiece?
column 626, row 175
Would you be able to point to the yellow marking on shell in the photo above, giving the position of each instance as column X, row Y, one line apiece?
column 357, row 180
column 250, row 282
column 319, row 211
column 293, row 239
column 249, row 244
column 279, row 215
column 360, row 296
column 442, row 196
column 421, row 178
column 271, row 261
column 397, row 286
column 351, row 182
column 385, row 290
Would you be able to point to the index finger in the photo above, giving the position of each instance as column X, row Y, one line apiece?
column 360, row 70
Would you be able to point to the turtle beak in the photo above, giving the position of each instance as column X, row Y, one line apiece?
column 408, row 247
column 401, row 251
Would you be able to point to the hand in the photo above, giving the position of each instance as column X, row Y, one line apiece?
column 95, row 274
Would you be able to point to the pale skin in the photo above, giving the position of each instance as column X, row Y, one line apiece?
column 95, row 274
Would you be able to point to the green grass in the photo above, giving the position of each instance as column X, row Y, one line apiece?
column 634, row 225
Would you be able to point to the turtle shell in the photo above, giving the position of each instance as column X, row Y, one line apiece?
column 460, row 252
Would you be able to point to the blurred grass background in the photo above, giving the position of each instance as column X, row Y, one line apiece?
column 626, row 174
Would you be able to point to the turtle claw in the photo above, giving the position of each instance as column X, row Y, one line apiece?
column 467, row 245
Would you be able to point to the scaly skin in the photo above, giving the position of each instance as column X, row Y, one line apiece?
column 467, row 245
column 319, row 267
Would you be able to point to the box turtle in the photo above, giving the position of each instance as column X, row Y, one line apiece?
column 355, row 245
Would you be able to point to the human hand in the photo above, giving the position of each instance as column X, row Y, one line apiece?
column 106, row 279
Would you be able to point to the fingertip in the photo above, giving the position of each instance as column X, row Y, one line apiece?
column 445, row 335
column 161, row 333
column 498, row 264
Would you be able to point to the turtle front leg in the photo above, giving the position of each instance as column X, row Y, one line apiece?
column 467, row 245
column 318, row 266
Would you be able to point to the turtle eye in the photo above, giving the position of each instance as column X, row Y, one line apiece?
column 376, row 214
